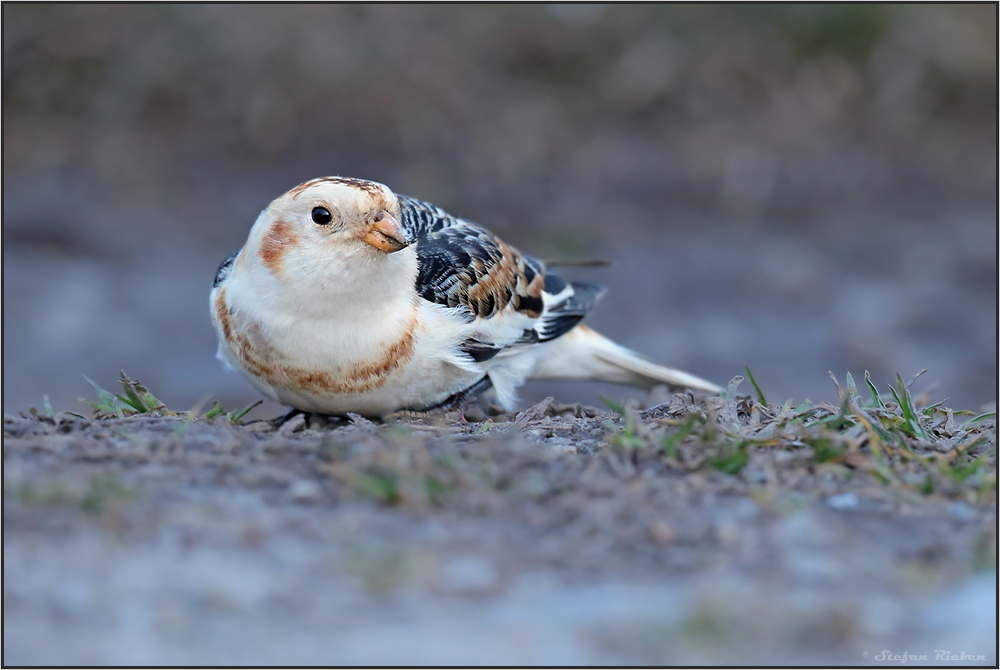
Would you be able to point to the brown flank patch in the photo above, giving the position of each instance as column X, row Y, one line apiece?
column 260, row 358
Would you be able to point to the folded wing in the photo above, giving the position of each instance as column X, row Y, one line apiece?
column 512, row 299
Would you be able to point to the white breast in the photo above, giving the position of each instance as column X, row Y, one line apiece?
column 371, row 353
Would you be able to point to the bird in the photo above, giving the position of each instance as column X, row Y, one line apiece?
column 350, row 298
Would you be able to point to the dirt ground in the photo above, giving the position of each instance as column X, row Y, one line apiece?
column 556, row 536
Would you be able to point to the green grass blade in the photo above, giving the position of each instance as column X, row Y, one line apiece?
column 109, row 402
column 240, row 414
column 760, row 394
column 852, row 388
column 982, row 417
column 216, row 410
column 876, row 398
column 151, row 401
column 909, row 411
column 960, row 473
column 671, row 440
column 381, row 487
column 613, row 405
column 929, row 410
column 133, row 404
column 131, row 397
column 106, row 397
column 732, row 463
column 916, row 377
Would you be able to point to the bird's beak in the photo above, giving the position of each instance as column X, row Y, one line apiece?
column 385, row 234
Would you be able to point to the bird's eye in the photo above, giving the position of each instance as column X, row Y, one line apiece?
column 321, row 215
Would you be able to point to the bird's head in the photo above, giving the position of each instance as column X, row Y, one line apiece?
column 331, row 231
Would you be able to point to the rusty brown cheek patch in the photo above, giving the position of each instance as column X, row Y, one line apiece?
column 262, row 359
column 279, row 239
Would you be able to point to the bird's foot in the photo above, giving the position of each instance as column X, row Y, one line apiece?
column 458, row 402
column 279, row 421
column 289, row 421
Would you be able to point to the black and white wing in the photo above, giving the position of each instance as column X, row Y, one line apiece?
column 513, row 298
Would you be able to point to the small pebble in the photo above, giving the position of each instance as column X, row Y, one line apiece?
column 296, row 423
column 843, row 501
column 962, row 511
column 259, row 427
column 469, row 573
column 304, row 489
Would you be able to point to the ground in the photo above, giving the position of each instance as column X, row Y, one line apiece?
column 719, row 530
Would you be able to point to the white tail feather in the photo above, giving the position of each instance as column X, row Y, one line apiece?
column 583, row 354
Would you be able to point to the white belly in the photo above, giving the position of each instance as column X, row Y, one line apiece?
column 390, row 357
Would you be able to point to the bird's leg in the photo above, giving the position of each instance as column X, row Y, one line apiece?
column 280, row 421
column 460, row 401
column 312, row 419
column 456, row 402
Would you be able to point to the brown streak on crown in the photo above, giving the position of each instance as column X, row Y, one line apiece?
column 297, row 191
column 369, row 187
column 378, row 200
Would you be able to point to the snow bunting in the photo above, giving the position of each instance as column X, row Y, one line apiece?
column 348, row 297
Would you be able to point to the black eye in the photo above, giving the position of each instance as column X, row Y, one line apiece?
column 321, row 215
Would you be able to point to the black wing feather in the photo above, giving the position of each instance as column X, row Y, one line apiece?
column 225, row 268
column 461, row 264
column 562, row 316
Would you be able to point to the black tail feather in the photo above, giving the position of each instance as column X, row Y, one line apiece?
column 562, row 316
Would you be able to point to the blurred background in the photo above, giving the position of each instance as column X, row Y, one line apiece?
column 799, row 189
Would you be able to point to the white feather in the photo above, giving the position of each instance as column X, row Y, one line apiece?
column 583, row 354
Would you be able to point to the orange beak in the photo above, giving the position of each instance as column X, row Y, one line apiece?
column 385, row 234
